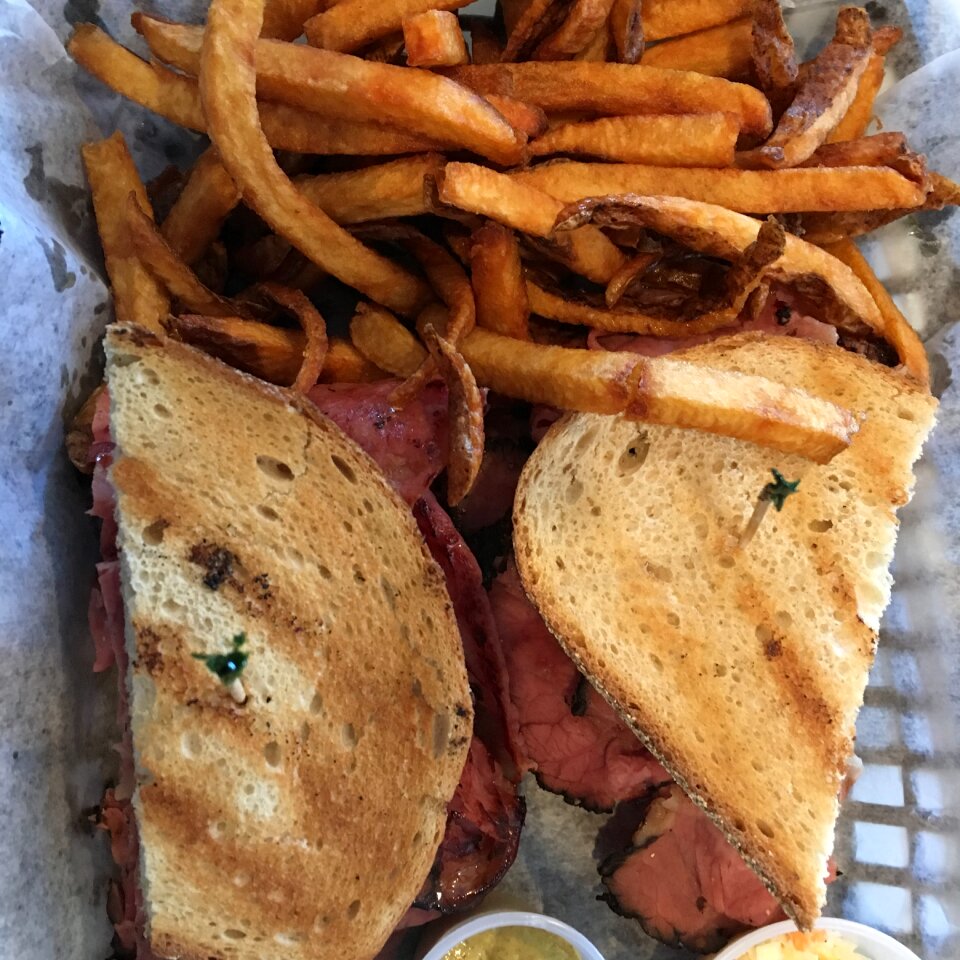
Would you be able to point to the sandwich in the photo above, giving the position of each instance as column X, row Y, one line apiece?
column 739, row 662
column 294, row 700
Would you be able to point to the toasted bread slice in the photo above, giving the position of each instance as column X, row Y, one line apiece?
column 303, row 821
column 742, row 668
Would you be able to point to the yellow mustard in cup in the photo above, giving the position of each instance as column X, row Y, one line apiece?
column 513, row 943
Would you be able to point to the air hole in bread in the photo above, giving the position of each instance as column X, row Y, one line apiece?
column 595, row 510
column 348, row 736
column 905, row 414
column 268, row 513
column 656, row 661
column 191, row 745
column 560, row 564
column 417, row 838
column 274, row 469
column 161, row 411
column 172, row 607
column 358, row 575
column 586, row 438
column 271, row 753
column 344, row 468
column 324, row 572
column 673, row 619
column 295, row 556
column 738, row 825
column 441, row 733
column 288, row 939
column 348, row 526
column 820, row 526
column 390, row 592
column 353, row 909
column 153, row 535
column 719, row 670
column 726, row 561
column 766, row 829
column 634, row 456
column 574, row 491
column 231, row 934
column 316, row 704
column 784, row 620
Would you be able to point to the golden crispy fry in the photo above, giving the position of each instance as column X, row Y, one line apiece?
column 348, row 88
column 880, row 150
column 345, row 364
column 496, row 275
column 284, row 19
column 685, row 140
column 137, row 297
column 663, row 390
column 393, row 189
column 597, row 50
column 823, row 96
column 722, row 51
column 228, row 91
column 526, row 23
column 379, row 337
column 619, row 88
column 860, row 112
column 79, row 434
column 827, row 228
column 177, row 98
column 583, row 22
column 352, row 24
column 897, row 330
column 718, row 232
column 626, row 30
column 433, row 39
column 465, row 414
column 495, row 195
column 749, row 191
column 526, row 118
column 205, row 201
column 773, row 54
column 167, row 267
column 314, row 329
column 485, row 43
column 674, row 18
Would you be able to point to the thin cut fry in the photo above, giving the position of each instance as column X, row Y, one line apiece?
column 352, row 24
column 496, row 275
column 343, row 87
column 177, row 98
column 583, row 21
column 160, row 259
column 284, row 19
column 314, row 329
column 722, row 51
column 748, row 191
column 137, row 297
column 524, row 117
column 228, row 90
column 619, row 88
column 485, row 43
column 673, row 18
column 384, row 341
column 687, row 140
column 433, row 39
column 880, row 150
column 597, row 50
column 773, row 54
column 504, row 199
column 207, row 198
column 626, row 30
column 465, row 406
column 897, row 330
column 823, row 95
column 526, row 23
column 860, row 112
column 382, row 191
column 345, row 364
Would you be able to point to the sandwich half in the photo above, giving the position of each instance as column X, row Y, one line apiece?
column 295, row 692
column 742, row 667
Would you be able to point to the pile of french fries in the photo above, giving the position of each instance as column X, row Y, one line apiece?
column 493, row 188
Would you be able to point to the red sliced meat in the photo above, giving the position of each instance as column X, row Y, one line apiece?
column 491, row 498
column 410, row 444
column 576, row 744
column 683, row 881
column 486, row 813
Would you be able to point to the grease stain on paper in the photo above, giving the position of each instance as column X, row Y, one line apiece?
column 63, row 279
column 69, row 201
column 83, row 11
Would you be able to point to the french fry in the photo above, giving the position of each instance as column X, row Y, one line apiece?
column 496, row 276
column 617, row 88
column 598, row 49
column 166, row 266
column 378, row 192
column 880, row 150
column 485, row 43
column 524, row 117
column 626, row 30
column 284, row 19
column 897, row 330
column 376, row 333
column 314, row 330
column 748, row 191
column 195, row 219
column 228, row 92
column 345, row 364
column 514, row 204
column 823, row 96
column 433, row 39
column 348, row 88
column 137, row 297
column 583, row 21
column 177, row 98
column 773, row 54
column 465, row 414
column 722, row 51
column 351, row 24
column 686, row 140
column 674, row 18
column 856, row 120
column 526, row 23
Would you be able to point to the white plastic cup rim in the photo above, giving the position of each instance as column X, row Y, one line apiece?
column 872, row 943
column 513, row 918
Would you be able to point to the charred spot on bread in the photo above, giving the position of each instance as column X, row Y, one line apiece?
column 216, row 560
